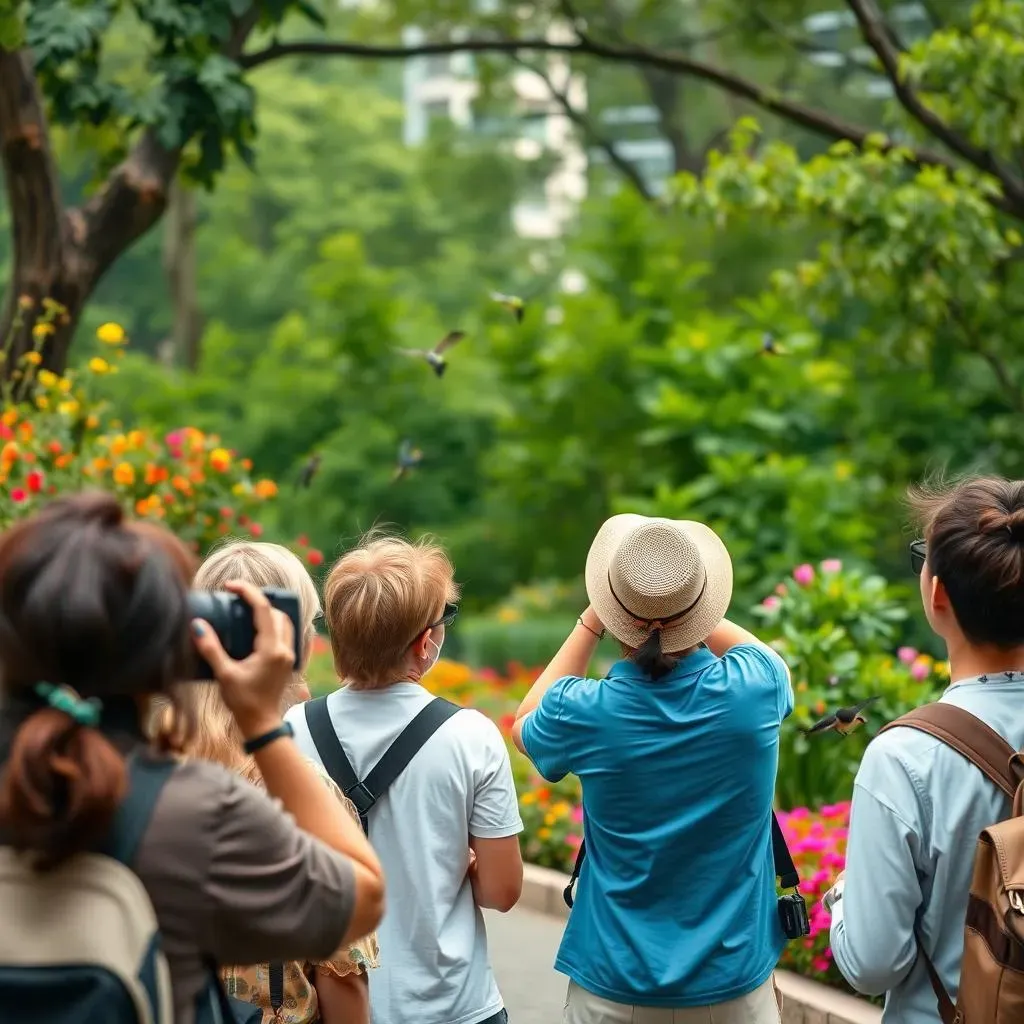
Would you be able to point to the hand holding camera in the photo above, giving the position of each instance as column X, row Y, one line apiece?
column 252, row 673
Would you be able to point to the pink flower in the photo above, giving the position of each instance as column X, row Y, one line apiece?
column 811, row 844
column 920, row 671
column 577, row 814
column 18, row 494
column 804, row 574
column 832, row 565
column 907, row 655
column 771, row 602
column 820, row 964
column 781, row 590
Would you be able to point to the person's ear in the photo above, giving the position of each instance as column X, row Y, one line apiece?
column 939, row 597
column 419, row 645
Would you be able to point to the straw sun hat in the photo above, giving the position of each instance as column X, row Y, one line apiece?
column 644, row 573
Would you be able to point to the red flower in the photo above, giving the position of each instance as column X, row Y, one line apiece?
column 255, row 529
column 18, row 494
column 314, row 557
column 226, row 513
column 55, row 447
column 5, row 432
column 243, row 520
column 34, row 481
column 303, row 541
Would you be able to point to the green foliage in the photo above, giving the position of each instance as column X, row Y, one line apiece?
column 838, row 630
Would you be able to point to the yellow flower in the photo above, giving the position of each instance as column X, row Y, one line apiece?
column 220, row 459
column 110, row 334
column 550, row 819
column 42, row 402
column 33, row 358
column 9, row 418
column 42, row 329
column 239, row 490
column 561, row 809
column 92, row 421
column 528, row 798
column 119, row 445
column 136, row 439
column 98, row 365
column 543, row 833
column 47, row 378
column 506, row 614
column 68, row 408
column 124, row 474
column 265, row 489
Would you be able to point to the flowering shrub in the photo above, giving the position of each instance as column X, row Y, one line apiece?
column 837, row 630
column 818, row 844
column 55, row 438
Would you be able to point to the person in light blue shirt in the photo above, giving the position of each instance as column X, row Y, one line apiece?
column 677, row 751
column 918, row 805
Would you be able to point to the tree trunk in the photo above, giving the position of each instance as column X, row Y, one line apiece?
column 61, row 255
column 180, row 267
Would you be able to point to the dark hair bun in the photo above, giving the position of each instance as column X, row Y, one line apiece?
column 1014, row 524
column 96, row 507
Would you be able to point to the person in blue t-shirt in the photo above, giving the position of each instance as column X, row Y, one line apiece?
column 677, row 751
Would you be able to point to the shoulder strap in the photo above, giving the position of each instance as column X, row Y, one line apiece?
column 947, row 1010
column 969, row 736
column 395, row 760
column 328, row 746
column 146, row 778
column 785, row 869
column 276, row 986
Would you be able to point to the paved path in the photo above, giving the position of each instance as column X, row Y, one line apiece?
column 522, row 946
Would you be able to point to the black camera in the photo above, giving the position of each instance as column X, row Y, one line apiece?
column 793, row 916
column 231, row 619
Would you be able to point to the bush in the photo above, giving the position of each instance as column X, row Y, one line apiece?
column 837, row 630
column 55, row 438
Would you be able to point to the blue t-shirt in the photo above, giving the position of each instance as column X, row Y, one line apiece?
column 676, row 904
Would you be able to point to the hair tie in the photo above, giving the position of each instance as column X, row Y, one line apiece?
column 84, row 711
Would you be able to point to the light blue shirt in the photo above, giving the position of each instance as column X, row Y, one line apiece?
column 676, row 904
column 918, row 808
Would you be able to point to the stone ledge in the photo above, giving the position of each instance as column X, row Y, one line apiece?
column 804, row 1001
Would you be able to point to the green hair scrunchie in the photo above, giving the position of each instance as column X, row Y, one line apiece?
column 78, row 709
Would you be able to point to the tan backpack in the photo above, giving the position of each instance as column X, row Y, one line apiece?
column 991, row 987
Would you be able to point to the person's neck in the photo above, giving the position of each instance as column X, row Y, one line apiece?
column 967, row 661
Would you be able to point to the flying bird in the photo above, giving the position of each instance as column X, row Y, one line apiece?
column 842, row 721
column 408, row 458
column 309, row 470
column 435, row 356
column 513, row 303
column 769, row 346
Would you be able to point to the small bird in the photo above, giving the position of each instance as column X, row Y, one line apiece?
column 408, row 458
column 769, row 346
column 843, row 721
column 513, row 303
column 309, row 470
column 435, row 356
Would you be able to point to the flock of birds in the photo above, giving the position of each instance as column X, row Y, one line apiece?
column 409, row 457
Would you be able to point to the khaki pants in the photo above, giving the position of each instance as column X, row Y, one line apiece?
column 762, row 1006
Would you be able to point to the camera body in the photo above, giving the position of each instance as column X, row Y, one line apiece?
column 793, row 916
column 231, row 619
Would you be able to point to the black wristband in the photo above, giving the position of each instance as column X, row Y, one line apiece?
column 259, row 742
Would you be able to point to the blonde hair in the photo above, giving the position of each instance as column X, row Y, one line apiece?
column 378, row 599
column 216, row 736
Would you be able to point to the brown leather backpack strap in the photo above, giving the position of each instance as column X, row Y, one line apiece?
column 969, row 736
column 947, row 1011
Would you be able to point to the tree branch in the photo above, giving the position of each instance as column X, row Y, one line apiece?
column 1012, row 389
column 873, row 28
column 825, row 124
column 584, row 123
column 30, row 174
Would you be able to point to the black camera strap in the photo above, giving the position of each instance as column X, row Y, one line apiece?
column 785, row 869
column 364, row 794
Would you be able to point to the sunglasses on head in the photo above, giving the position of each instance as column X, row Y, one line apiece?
column 450, row 611
column 918, row 556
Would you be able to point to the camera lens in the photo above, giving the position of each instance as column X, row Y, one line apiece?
column 215, row 608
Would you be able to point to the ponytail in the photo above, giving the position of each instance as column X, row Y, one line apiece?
column 60, row 787
column 651, row 659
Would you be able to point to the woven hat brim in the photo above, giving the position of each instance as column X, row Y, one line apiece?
column 692, row 629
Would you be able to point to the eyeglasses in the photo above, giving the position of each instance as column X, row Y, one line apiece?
column 918, row 556
column 450, row 612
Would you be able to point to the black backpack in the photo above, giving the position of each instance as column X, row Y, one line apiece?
column 364, row 794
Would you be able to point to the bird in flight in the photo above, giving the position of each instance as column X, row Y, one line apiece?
column 309, row 470
column 435, row 356
column 408, row 458
column 513, row 303
column 842, row 721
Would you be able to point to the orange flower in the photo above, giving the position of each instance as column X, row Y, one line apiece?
column 155, row 474
column 101, row 465
column 25, row 431
column 179, row 483
column 9, row 453
column 247, row 464
column 220, row 459
column 136, row 439
column 92, row 421
column 118, row 445
column 10, row 417
column 124, row 474
column 265, row 489
column 56, row 447
column 196, row 476
column 149, row 506
column 63, row 461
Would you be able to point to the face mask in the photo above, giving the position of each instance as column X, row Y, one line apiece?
column 433, row 662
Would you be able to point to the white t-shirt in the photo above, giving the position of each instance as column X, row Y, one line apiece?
column 433, row 946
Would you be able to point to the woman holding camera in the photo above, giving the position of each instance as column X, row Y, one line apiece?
column 677, row 749
column 95, row 625
column 332, row 991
